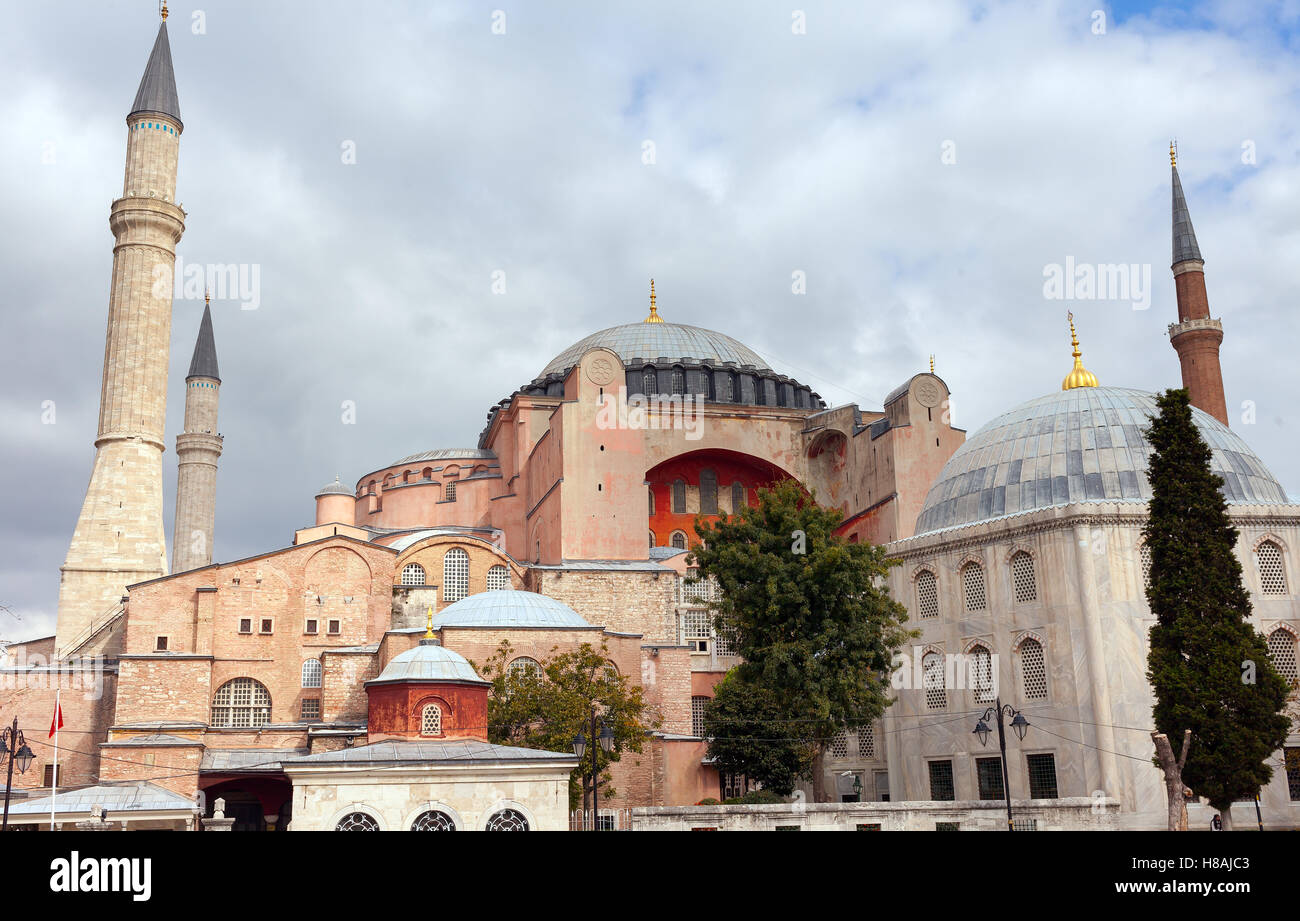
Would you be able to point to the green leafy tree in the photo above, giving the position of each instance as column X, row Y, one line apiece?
column 1208, row 666
column 749, row 734
column 546, row 707
column 808, row 612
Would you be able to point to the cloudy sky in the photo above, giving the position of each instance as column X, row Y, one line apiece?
column 921, row 163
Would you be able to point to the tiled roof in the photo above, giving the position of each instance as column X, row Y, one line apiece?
column 138, row 796
column 244, row 760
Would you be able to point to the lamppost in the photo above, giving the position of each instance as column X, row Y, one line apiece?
column 605, row 738
column 13, row 744
column 1020, row 725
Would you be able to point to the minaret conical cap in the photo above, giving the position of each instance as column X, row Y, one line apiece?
column 1185, row 247
column 157, row 93
column 204, row 362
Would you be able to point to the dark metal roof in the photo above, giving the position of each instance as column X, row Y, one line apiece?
column 1185, row 247
column 204, row 362
column 157, row 91
column 393, row 751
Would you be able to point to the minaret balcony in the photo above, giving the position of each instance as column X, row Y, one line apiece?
column 1187, row 326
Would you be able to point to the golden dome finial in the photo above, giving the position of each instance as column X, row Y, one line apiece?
column 1173, row 153
column 654, row 311
column 1079, row 376
column 428, row 630
column 164, row 10
column 931, row 364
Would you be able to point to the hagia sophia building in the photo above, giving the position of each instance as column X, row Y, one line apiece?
column 329, row 683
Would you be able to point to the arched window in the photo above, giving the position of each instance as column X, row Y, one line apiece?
column 697, row 715
column 866, row 742
column 936, row 695
column 311, row 673
column 1022, row 577
column 651, row 493
column 980, row 663
column 455, row 575
column 357, row 821
column 507, row 820
column 498, row 578
column 679, row 540
column 652, row 540
column 722, row 386
column 972, row 586
column 737, row 498
column 241, row 702
column 524, row 667
column 649, row 382
column 431, row 720
column 927, row 594
column 1272, row 574
column 1033, row 669
column 1144, row 557
column 433, row 820
column 1281, row 649
column 679, row 382
column 413, row 574
column 708, row 492
column 679, row 497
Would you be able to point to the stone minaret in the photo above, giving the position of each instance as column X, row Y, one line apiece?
column 1196, row 335
column 197, row 450
column 119, row 536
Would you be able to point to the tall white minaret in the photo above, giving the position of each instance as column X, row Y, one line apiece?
column 119, row 536
column 197, row 450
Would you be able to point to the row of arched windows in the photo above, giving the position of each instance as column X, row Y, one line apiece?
column 708, row 495
column 455, row 575
column 979, row 674
column 1269, row 563
column 436, row 820
column 974, row 592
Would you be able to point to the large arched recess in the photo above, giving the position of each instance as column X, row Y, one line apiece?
column 729, row 466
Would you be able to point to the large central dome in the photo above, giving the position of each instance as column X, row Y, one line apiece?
column 1080, row 445
column 653, row 341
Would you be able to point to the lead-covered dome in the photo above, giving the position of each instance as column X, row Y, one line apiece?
column 428, row 662
column 1079, row 445
column 508, row 608
column 675, row 342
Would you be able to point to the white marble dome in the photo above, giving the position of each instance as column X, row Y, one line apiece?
column 1079, row 445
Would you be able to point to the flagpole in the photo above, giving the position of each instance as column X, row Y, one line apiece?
column 54, row 792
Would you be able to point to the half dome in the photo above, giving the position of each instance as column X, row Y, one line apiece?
column 509, row 608
column 1080, row 445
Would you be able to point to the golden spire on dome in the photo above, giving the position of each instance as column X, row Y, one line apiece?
column 428, row 630
column 654, row 311
column 1079, row 376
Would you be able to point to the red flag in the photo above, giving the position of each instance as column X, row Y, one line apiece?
column 56, row 723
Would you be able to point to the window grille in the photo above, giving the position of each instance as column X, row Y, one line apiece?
column 1272, row 575
column 708, row 492
column 927, row 594
column 455, row 575
column 431, row 720
column 1022, row 577
column 697, row 630
column 241, row 702
column 449, row 493
column 679, row 498
column 737, row 498
column 649, row 383
column 840, row 744
column 525, row 667
column 310, row 709
column 733, row 785
column 679, row 382
column 1144, row 555
column 413, row 574
column 651, row 494
column 433, row 821
column 1042, row 776
column 357, row 821
column 695, row 588
column 988, row 771
column 1024, row 825
column 1033, row 668
column 724, row 641
column 678, row 540
column 941, row 785
column 1291, row 757
column 867, row 742
column 498, row 578
column 981, row 667
column 1281, row 649
column 507, row 820
column 311, row 673
column 936, row 696
column 697, row 715
column 722, row 386
column 972, row 585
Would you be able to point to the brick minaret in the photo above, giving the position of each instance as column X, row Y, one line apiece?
column 1196, row 335
column 197, row 450
column 119, row 536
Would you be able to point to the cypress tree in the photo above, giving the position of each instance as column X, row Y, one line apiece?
column 1209, row 668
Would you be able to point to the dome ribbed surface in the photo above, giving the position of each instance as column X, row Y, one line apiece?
column 651, row 341
column 428, row 663
column 508, row 608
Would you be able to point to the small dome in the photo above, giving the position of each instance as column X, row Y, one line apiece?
column 334, row 489
column 429, row 662
column 508, row 608
column 1084, row 444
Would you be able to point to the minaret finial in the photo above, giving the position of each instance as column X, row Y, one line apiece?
column 207, row 296
column 428, row 630
column 932, row 364
column 654, row 311
column 164, row 10
column 1173, row 153
column 1079, row 376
